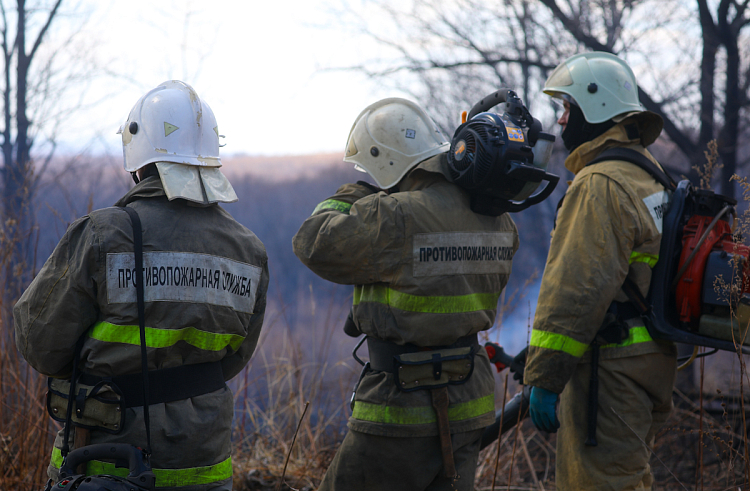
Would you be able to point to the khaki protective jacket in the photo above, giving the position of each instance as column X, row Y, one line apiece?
column 205, row 279
column 427, row 271
column 608, row 227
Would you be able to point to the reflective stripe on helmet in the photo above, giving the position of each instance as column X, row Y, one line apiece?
column 566, row 344
column 164, row 338
column 165, row 478
column 642, row 257
column 377, row 413
column 431, row 305
column 333, row 204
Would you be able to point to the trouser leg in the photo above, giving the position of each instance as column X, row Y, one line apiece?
column 369, row 463
column 638, row 389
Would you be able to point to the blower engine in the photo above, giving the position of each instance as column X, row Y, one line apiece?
column 700, row 287
column 501, row 159
column 703, row 301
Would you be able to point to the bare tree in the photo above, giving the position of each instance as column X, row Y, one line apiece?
column 456, row 52
column 725, row 31
column 30, row 99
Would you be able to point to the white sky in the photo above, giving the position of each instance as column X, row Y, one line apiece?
column 257, row 63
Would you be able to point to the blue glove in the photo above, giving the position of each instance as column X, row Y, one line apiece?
column 542, row 408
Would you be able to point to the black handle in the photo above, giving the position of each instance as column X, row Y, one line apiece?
column 487, row 103
column 108, row 451
column 552, row 181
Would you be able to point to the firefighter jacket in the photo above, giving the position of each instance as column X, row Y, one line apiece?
column 205, row 278
column 608, row 227
column 427, row 271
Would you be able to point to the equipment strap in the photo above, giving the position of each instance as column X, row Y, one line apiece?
column 382, row 352
column 440, row 403
column 637, row 158
column 138, row 252
column 165, row 385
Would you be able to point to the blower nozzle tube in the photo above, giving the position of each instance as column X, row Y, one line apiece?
column 518, row 405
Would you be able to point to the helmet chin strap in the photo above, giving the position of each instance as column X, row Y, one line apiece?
column 134, row 175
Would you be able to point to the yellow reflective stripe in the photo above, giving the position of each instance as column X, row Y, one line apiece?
column 560, row 342
column 642, row 257
column 56, row 460
column 431, row 305
column 164, row 338
column 637, row 334
column 333, row 204
column 190, row 476
column 378, row 413
column 557, row 342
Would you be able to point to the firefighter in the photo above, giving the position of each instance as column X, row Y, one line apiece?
column 428, row 273
column 205, row 280
column 608, row 228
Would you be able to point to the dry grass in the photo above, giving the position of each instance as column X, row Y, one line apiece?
column 272, row 395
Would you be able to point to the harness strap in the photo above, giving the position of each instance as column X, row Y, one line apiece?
column 637, row 158
column 166, row 384
column 382, row 352
column 135, row 221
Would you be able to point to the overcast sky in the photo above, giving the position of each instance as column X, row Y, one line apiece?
column 260, row 65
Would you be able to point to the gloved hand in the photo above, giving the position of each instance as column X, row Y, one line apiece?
column 543, row 409
column 519, row 363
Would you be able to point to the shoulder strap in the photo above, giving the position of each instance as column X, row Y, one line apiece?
column 138, row 252
column 637, row 158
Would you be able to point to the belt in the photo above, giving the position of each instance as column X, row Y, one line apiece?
column 166, row 384
column 382, row 352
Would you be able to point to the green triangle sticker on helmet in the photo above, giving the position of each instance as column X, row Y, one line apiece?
column 169, row 128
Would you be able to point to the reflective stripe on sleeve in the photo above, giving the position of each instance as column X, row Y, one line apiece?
column 165, row 478
column 557, row 342
column 377, row 413
column 164, row 338
column 333, row 204
column 642, row 257
column 431, row 305
column 560, row 342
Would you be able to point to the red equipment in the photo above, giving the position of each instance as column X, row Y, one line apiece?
column 708, row 253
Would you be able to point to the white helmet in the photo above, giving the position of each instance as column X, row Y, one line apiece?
column 390, row 137
column 601, row 84
column 172, row 125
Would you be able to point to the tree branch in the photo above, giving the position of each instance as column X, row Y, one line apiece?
column 38, row 41
column 682, row 140
column 574, row 28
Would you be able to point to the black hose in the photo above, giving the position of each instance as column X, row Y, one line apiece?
column 509, row 415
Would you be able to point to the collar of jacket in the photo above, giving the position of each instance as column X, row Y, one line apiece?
column 617, row 136
column 151, row 187
column 148, row 188
column 425, row 172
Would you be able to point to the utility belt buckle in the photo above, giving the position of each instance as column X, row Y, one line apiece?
column 433, row 369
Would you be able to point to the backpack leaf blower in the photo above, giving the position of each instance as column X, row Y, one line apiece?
column 501, row 159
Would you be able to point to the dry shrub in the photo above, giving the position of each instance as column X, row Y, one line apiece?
column 289, row 370
column 25, row 429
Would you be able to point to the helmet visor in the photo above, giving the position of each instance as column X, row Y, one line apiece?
column 561, row 77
